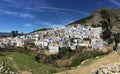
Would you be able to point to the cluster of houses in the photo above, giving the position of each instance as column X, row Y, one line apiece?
column 18, row 41
column 55, row 38
column 68, row 37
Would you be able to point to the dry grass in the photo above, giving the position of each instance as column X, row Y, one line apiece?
column 112, row 57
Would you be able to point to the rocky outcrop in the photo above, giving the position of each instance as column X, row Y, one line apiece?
column 111, row 68
column 5, row 70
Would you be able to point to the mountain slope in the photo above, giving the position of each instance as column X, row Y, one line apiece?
column 95, row 18
column 110, row 58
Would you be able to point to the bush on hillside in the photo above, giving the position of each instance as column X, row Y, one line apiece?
column 87, row 55
column 74, row 56
column 17, row 49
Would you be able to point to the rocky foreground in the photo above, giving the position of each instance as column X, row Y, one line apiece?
column 111, row 68
column 5, row 70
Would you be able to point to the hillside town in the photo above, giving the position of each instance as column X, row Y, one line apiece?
column 56, row 38
column 59, row 37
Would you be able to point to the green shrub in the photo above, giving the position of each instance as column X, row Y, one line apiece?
column 86, row 55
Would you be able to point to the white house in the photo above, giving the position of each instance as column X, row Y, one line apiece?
column 82, row 44
column 20, row 42
column 53, row 48
column 41, row 43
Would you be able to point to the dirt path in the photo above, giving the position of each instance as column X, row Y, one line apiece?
column 112, row 57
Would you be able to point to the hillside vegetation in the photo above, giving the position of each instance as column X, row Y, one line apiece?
column 93, row 64
column 94, row 18
column 25, row 63
column 70, row 58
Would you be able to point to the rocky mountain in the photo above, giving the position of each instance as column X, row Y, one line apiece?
column 94, row 18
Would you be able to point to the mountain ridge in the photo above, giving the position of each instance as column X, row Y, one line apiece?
column 5, row 34
column 94, row 18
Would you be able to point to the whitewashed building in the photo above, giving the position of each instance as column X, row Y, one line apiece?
column 53, row 48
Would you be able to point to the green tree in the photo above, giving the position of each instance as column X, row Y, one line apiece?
column 117, row 38
column 106, row 27
column 14, row 33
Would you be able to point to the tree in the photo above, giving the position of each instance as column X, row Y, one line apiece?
column 104, row 14
column 14, row 33
column 106, row 26
column 117, row 38
column 106, row 34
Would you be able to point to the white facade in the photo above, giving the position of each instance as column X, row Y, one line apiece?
column 20, row 43
column 83, row 44
column 42, row 44
column 53, row 48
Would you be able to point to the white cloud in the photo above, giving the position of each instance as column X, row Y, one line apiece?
column 28, row 25
column 9, row 1
column 8, row 12
column 115, row 2
column 22, row 15
column 69, row 10
column 40, row 6
column 23, row 4
column 26, row 15
column 54, row 9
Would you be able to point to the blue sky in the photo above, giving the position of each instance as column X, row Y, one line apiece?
column 28, row 15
